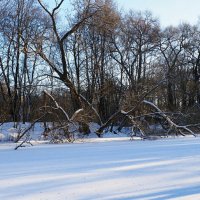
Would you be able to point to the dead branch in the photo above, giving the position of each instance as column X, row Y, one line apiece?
column 76, row 114
column 136, row 128
column 57, row 106
column 25, row 132
column 63, row 128
column 91, row 107
column 119, row 112
column 173, row 126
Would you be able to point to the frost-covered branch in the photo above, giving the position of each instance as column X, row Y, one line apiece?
column 172, row 125
column 57, row 106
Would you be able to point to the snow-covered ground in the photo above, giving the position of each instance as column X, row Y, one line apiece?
column 8, row 133
column 120, row 170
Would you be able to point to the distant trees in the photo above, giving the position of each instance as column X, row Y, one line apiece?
column 20, row 23
column 134, row 48
column 98, row 60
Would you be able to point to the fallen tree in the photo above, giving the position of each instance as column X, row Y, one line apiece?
column 172, row 126
column 168, row 125
column 61, row 131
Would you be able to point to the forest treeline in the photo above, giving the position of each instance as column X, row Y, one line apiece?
column 94, row 57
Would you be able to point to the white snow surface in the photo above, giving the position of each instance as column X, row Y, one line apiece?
column 102, row 170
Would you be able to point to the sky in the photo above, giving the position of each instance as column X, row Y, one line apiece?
column 169, row 12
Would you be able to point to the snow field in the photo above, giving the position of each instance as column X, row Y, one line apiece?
column 114, row 170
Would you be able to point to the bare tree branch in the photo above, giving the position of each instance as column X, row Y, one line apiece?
column 171, row 123
column 57, row 106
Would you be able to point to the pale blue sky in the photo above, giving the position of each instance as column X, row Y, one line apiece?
column 170, row 12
